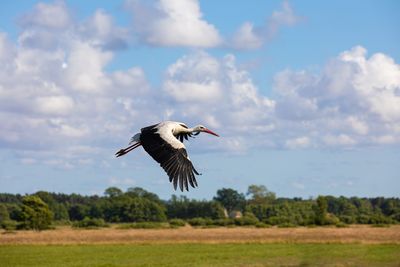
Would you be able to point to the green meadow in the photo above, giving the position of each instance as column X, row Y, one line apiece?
column 247, row 254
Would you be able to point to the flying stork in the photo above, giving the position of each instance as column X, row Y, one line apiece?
column 164, row 143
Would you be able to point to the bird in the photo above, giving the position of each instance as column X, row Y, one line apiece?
column 164, row 143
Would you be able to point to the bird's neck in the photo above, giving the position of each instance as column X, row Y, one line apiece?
column 180, row 130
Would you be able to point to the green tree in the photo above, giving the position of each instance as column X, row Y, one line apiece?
column 321, row 210
column 259, row 194
column 36, row 213
column 140, row 192
column 230, row 199
column 60, row 212
column 113, row 192
column 78, row 212
column 4, row 215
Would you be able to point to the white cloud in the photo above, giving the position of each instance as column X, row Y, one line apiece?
column 204, row 89
column 299, row 142
column 285, row 16
column 354, row 100
column 249, row 36
column 101, row 31
column 334, row 108
column 54, row 16
column 85, row 68
column 58, row 105
column 62, row 95
column 339, row 140
column 360, row 127
column 194, row 79
column 173, row 23
column 58, row 93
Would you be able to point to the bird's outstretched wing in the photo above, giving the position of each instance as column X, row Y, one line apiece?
column 172, row 156
column 185, row 136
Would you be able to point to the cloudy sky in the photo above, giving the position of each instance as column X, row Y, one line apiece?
column 305, row 94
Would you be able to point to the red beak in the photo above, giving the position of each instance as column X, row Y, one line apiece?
column 210, row 132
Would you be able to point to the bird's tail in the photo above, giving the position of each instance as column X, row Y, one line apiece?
column 123, row 151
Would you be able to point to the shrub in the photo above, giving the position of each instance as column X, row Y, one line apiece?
column 342, row 225
column 381, row 225
column 247, row 219
column 331, row 219
column 209, row 222
column 380, row 219
column 262, row 225
column 177, row 222
column 363, row 219
column 197, row 221
column 347, row 219
column 62, row 223
column 9, row 225
column 144, row 225
column 276, row 220
column 286, row 225
column 224, row 222
column 90, row 223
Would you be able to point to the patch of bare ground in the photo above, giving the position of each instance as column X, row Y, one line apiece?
column 67, row 235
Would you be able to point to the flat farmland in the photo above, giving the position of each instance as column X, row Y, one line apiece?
column 353, row 246
column 67, row 235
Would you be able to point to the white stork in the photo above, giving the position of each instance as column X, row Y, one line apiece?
column 164, row 143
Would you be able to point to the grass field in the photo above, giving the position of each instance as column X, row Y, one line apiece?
column 354, row 246
column 251, row 254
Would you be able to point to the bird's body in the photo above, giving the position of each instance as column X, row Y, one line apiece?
column 164, row 143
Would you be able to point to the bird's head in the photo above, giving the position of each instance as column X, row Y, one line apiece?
column 200, row 128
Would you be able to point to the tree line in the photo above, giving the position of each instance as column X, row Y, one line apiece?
column 258, row 206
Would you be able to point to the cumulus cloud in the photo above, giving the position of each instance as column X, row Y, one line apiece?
column 249, row 36
column 43, row 15
column 58, row 100
column 172, row 23
column 41, row 30
column 352, row 101
column 355, row 100
column 215, row 91
column 55, row 92
column 299, row 142
column 100, row 30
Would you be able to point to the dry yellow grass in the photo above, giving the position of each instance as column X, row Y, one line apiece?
column 66, row 235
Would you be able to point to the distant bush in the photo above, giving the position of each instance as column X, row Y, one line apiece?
column 286, row 225
column 177, row 222
column 276, row 220
column 9, row 225
column 62, row 223
column 224, row 222
column 90, row 223
column 263, row 225
column 331, row 219
column 341, row 225
column 381, row 225
column 347, row 219
column 197, row 221
column 144, row 225
column 247, row 219
column 380, row 219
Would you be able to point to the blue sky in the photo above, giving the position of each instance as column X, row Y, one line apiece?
column 305, row 94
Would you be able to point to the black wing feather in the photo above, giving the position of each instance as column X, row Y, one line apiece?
column 174, row 161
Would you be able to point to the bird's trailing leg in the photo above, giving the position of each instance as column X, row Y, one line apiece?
column 123, row 151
